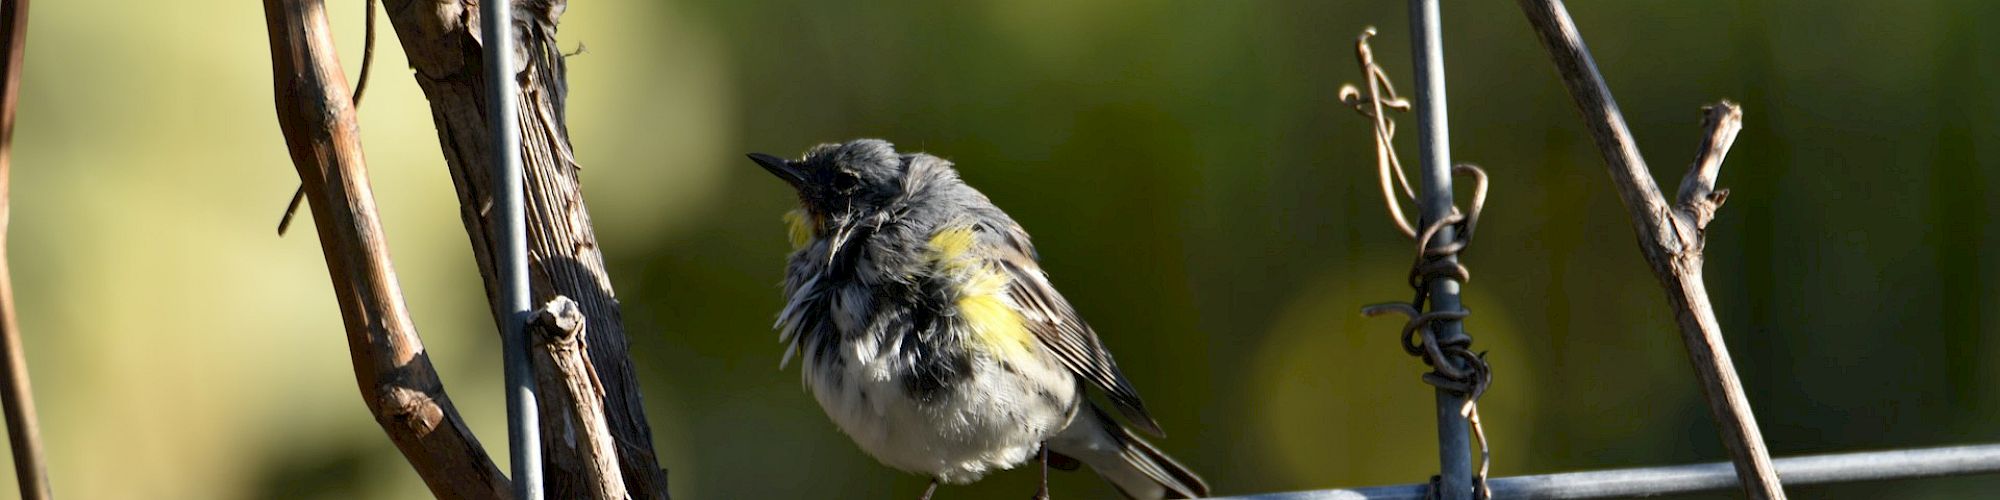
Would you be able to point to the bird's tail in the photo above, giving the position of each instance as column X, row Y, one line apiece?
column 1137, row 468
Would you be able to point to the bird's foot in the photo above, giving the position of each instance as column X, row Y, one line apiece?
column 1043, row 493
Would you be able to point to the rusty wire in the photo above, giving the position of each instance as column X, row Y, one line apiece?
column 1454, row 366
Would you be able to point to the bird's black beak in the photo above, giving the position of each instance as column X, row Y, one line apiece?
column 779, row 167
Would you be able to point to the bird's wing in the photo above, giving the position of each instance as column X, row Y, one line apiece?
column 1057, row 326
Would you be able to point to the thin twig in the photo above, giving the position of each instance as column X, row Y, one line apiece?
column 291, row 209
column 367, row 51
column 1699, row 199
column 23, row 433
column 397, row 381
column 1670, row 238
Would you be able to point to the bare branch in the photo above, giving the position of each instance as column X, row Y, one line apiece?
column 23, row 433
column 360, row 89
column 1699, row 199
column 397, row 382
column 441, row 39
column 1670, row 241
column 568, row 381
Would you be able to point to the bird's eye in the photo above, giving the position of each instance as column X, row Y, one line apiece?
column 845, row 181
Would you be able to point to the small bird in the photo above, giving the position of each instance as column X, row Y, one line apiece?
column 930, row 334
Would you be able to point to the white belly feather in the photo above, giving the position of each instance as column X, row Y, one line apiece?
column 994, row 420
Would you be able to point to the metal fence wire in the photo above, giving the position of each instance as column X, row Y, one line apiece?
column 1697, row 478
column 1434, row 329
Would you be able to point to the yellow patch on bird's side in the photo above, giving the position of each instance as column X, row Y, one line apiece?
column 996, row 327
column 947, row 248
column 797, row 228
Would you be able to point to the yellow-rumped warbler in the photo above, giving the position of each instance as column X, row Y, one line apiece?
column 933, row 338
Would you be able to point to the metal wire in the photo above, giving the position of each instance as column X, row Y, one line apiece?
column 1434, row 151
column 503, row 94
column 1439, row 266
column 1460, row 375
column 1437, row 336
column 1698, row 478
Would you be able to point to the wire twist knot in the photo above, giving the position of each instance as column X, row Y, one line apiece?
column 1454, row 366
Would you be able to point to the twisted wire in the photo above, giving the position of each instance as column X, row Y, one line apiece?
column 1454, row 366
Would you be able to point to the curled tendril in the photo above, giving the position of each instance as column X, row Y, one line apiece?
column 1455, row 367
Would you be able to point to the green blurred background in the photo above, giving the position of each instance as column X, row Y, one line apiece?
column 1190, row 177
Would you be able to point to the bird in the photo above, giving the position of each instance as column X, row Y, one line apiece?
column 929, row 333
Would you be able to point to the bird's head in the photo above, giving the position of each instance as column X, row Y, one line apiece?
column 842, row 183
column 850, row 186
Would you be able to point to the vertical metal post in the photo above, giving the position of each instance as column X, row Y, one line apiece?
column 502, row 95
column 1454, row 437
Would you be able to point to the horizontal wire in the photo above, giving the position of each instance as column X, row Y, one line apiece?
column 1714, row 476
